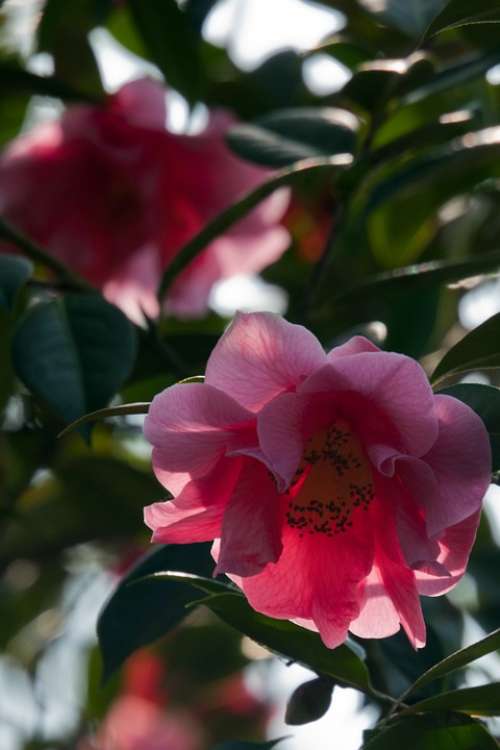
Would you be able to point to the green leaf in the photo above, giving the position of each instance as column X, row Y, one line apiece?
column 310, row 701
column 171, row 42
column 138, row 614
column 410, row 16
column 463, row 13
column 14, row 273
column 234, row 213
column 477, row 350
column 485, row 401
column 286, row 136
column 292, row 641
column 483, row 700
column 112, row 411
column 430, row 732
column 401, row 211
column 75, row 353
column 458, row 660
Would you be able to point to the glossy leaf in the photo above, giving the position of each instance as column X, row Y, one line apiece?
column 171, row 42
column 483, row 700
column 459, row 659
column 291, row 641
column 476, row 350
column 441, row 732
column 14, row 273
column 283, row 137
column 310, row 701
column 74, row 353
column 463, row 13
column 410, row 16
column 485, row 401
column 139, row 613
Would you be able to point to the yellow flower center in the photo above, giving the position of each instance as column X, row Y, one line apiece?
column 334, row 479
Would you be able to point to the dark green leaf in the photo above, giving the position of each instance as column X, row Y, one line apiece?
column 310, row 701
column 459, row 659
column 463, row 13
column 478, row 701
column 74, row 353
column 140, row 613
column 410, row 16
column 485, row 401
column 283, row 137
column 478, row 349
column 112, row 411
column 171, row 42
column 431, row 732
column 14, row 273
column 291, row 641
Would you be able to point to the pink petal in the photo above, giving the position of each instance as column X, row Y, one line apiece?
column 394, row 384
column 196, row 514
column 260, row 356
column 133, row 288
column 398, row 579
column 315, row 579
column 355, row 345
column 455, row 548
column 378, row 617
column 461, row 462
column 191, row 425
column 142, row 102
column 250, row 535
column 279, row 427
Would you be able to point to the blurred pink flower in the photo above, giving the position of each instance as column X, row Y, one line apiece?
column 135, row 724
column 115, row 195
column 337, row 487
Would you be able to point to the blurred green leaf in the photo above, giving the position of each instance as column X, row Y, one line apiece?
column 458, row 660
column 441, row 732
column 281, row 138
column 477, row 350
column 463, row 13
column 65, row 36
column 14, row 273
column 138, row 614
column 6, row 371
column 74, row 353
column 410, row 16
column 483, row 700
column 172, row 43
column 112, row 411
column 485, row 401
column 310, row 701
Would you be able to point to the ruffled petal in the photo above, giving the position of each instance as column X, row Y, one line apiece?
column 250, row 536
column 455, row 547
column 191, row 425
column 196, row 514
column 397, row 577
column 461, row 462
column 378, row 617
column 396, row 385
column 261, row 356
column 355, row 345
column 279, row 428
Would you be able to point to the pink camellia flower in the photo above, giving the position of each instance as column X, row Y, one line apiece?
column 337, row 487
column 115, row 195
column 135, row 724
